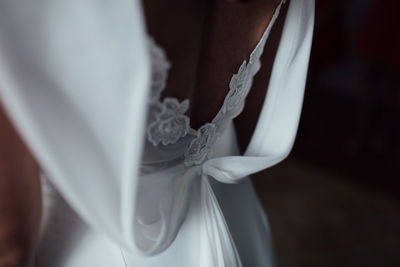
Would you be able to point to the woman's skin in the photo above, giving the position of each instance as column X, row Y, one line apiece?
column 20, row 198
column 206, row 41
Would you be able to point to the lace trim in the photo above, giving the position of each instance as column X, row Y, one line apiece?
column 160, row 67
column 168, row 121
column 240, row 86
column 200, row 147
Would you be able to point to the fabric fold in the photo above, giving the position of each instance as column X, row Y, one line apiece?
column 220, row 243
column 74, row 78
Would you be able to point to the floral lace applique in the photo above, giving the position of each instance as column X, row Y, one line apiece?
column 199, row 147
column 167, row 122
column 171, row 124
column 239, row 88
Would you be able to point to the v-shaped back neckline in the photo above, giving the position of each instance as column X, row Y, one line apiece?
column 167, row 120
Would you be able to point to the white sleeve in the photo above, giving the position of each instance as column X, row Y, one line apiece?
column 276, row 128
column 73, row 78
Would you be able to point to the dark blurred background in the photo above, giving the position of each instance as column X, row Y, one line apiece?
column 336, row 200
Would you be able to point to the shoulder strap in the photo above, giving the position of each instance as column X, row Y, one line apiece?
column 234, row 102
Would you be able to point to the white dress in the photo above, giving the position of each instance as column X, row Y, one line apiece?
column 126, row 181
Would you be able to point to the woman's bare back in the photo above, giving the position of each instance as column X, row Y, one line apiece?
column 206, row 41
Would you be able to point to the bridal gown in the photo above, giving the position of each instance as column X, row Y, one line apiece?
column 126, row 180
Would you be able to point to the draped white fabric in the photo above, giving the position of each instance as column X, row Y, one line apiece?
column 74, row 78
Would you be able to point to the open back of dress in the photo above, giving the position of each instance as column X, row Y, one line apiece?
column 127, row 181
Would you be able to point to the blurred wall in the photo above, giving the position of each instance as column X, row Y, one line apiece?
column 350, row 121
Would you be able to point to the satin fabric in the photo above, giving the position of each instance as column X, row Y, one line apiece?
column 74, row 79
